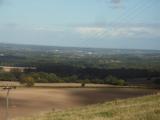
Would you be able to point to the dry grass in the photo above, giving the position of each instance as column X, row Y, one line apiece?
column 70, row 85
column 5, row 83
column 56, row 85
column 142, row 108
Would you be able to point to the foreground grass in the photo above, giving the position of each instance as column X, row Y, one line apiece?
column 142, row 108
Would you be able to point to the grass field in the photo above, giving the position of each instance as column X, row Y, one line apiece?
column 142, row 108
column 56, row 85
column 29, row 101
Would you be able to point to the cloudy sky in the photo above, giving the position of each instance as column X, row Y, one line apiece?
column 81, row 23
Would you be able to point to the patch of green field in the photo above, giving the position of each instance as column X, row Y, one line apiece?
column 141, row 108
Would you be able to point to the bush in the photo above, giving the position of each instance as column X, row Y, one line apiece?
column 7, row 76
column 114, row 81
column 27, row 81
column 157, row 81
column 83, row 84
column 120, row 82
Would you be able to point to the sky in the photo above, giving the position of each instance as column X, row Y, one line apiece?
column 127, row 24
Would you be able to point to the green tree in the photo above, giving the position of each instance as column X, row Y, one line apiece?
column 27, row 81
column 114, row 81
column 83, row 84
column 157, row 81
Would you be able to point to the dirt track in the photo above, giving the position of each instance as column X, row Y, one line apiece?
column 25, row 102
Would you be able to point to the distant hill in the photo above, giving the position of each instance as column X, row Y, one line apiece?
column 75, row 49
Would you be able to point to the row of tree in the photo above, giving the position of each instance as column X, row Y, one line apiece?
column 41, row 77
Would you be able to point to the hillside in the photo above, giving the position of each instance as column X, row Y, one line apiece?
column 142, row 108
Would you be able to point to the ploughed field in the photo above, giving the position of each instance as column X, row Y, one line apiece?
column 30, row 101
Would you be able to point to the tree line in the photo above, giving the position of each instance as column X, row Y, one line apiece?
column 42, row 77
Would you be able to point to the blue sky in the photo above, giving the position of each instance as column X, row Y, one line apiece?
column 81, row 23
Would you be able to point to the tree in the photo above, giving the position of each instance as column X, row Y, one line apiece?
column 83, row 84
column 27, row 81
column 114, row 81
column 7, row 76
column 1, row 69
column 120, row 82
column 157, row 81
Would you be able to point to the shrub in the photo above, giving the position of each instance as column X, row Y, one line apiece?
column 83, row 84
column 114, row 81
column 157, row 81
column 27, row 81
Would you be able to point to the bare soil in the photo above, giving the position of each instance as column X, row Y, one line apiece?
column 30, row 101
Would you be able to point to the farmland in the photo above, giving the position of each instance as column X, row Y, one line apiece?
column 141, row 108
column 30, row 101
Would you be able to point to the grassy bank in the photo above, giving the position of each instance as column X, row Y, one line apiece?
column 142, row 108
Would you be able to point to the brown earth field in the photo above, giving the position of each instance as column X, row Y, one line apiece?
column 30, row 101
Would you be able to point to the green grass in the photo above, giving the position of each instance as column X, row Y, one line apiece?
column 141, row 108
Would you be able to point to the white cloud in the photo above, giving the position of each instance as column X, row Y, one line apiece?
column 90, row 30
column 116, row 32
